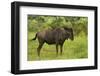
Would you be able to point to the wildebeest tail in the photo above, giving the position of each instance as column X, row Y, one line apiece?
column 35, row 37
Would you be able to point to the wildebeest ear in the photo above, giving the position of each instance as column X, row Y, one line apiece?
column 66, row 28
column 71, row 29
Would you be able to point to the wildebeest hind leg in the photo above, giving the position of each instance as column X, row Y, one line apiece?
column 39, row 49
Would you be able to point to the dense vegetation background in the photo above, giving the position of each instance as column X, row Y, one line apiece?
column 72, row 49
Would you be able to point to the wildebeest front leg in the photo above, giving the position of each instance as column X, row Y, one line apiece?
column 61, row 49
column 56, row 49
column 39, row 49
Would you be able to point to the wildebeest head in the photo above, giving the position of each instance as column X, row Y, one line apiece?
column 69, row 31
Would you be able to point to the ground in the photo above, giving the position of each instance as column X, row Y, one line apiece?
column 76, row 49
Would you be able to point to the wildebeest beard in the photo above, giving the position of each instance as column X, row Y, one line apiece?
column 55, row 36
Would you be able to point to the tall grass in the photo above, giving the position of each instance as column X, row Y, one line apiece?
column 76, row 49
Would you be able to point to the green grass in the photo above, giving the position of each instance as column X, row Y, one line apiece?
column 76, row 49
